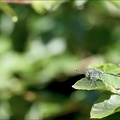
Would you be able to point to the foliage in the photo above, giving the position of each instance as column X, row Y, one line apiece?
column 108, row 103
column 41, row 51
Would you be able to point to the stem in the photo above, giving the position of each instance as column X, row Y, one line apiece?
column 17, row 1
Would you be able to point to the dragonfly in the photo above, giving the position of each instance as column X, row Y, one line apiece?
column 94, row 74
column 98, row 78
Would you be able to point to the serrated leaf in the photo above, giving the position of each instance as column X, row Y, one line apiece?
column 106, row 105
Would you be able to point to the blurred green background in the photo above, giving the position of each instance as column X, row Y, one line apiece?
column 41, row 51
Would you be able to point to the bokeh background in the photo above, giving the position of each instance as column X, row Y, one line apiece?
column 41, row 51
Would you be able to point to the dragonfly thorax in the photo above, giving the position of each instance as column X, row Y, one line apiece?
column 93, row 73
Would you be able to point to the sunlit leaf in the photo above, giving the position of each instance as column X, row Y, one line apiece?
column 106, row 105
column 109, row 67
column 112, row 81
column 115, row 2
column 86, row 84
column 48, row 5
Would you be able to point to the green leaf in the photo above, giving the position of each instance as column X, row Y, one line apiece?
column 43, row 6
column 86, row 84
column 111, row 68
column 103, row 82
column 115, row 3
column 106, row 105
column 111, row 81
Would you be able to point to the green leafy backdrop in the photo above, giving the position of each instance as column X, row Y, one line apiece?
column 42, row 45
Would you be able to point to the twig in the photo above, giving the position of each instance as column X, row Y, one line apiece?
column 17, row 1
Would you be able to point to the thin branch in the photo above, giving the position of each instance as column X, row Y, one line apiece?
column 17, row 1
